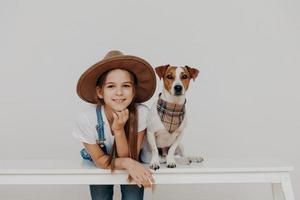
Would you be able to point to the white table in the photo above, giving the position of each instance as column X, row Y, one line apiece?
column 79, row 172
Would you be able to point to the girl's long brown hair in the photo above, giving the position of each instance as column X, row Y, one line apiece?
column 130, row 127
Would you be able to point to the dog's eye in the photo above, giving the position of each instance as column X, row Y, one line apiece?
column 184, row 76
column 169, row 76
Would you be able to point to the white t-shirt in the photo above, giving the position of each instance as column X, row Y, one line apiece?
column 85, row 127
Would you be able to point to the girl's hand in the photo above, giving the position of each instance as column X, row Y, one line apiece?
column 140, row 174
column 120, row 118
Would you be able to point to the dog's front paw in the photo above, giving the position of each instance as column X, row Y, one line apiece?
column 154, row 165
column 171, row 162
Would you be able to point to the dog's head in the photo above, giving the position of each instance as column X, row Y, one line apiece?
column 176, row 79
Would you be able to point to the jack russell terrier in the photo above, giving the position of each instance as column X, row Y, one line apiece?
column 167, row 118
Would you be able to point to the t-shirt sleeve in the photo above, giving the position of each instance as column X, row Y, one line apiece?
column 143, row 111
column 83, row 130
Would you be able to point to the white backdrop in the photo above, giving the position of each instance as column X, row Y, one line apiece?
column 245, row 102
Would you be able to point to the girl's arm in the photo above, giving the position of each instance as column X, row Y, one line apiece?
column 137, row 171
column 100, row 158
column 122, row 162
column 117, row 128
column 121, row 143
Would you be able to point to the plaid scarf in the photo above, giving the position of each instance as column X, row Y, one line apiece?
column 171, row 114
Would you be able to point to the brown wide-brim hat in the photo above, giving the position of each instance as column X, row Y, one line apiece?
column 146, row 79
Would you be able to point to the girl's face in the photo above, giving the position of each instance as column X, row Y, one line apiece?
column 117, row 90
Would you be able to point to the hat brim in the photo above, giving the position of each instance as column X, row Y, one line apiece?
column 86, row 86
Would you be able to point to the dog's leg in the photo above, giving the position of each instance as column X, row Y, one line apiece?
column 180, row 150
column 170, row 157
column 186, row 160
column 182, row 159
column 154, row 163
column 179, row 156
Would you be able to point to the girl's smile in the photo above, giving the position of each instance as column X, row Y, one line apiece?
column 119, row 100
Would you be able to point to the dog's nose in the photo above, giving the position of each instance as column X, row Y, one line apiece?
column 178, row 88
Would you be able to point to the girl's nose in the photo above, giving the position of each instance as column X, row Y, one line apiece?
column 119, row 91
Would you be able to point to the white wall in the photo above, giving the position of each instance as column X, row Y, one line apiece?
column 245, row 102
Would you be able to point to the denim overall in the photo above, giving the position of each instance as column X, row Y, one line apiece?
column 100, row 130
column 105, row 192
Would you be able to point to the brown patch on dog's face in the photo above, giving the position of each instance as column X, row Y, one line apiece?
column 188, row 74
column 185, row 78
column 168, row 74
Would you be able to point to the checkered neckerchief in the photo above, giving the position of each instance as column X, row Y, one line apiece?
column 171, row 114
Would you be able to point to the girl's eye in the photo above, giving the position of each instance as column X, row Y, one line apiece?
column 169, row 76
column 110, row 86
column 127, row 85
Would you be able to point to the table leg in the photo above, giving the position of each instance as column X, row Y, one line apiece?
column 277, row 191
column 283, row 190
column 287, row 189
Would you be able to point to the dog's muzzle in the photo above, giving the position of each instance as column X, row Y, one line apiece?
column 178, row 89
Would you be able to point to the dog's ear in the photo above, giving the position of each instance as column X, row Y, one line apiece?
column 161, row 70
column 193, row 72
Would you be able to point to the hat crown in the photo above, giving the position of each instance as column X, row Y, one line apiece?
column 112, row 54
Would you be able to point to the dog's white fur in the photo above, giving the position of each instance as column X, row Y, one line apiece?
column 158, row 136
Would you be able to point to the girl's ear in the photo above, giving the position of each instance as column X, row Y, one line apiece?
column 99, row 92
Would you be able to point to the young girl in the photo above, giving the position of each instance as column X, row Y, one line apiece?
column 117, row 85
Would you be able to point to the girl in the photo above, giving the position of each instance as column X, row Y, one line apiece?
column 117, row 85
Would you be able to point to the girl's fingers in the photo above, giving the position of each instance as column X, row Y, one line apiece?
column 145, row 178
column 150, row 179
column 148, row 172
column 149, row 176
column 138, row 179
column 114, row 115
column 147, row 184
column 118, row 117
column 139, row 183
column 122, row 115
column 141, row 178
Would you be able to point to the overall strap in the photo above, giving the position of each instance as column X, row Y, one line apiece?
column 100, row 129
